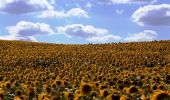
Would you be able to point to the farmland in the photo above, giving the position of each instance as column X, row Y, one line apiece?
column 112, row 71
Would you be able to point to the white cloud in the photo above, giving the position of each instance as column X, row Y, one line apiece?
column 80, row 30
column 13, row 37
column 147, row 35
column 23, row 6
column 132, row 1
column 74, row 12
column 125, row 1
column 25, row 28
column 27, row 31
column 105, row 38
column 88, row 5
column 104, row 2
column 87, row 32
column 121, row 11
column 77, row 12
column 152, row 15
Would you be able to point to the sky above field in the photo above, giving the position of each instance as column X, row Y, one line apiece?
column 84, row 21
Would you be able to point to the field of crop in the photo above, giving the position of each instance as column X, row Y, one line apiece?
column 114, row 71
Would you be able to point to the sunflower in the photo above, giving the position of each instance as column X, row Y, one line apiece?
column 59, row 83
column 18, row 93
column 53, row 85
column 65, row 83
column 77, row 92
column 7, row 85
column 96, row 85
column 86, row 88
column 132, row 89
column 102, row 87
column 120, row 86
column 154, row 87
column 113, row 97
column 104, row 93
column 36, row 83
column 48, row 89
column 161, row 87
column 161, row 95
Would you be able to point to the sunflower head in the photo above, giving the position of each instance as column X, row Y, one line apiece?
column 104, row 93
column 103, row 87
column 77, row 92
column 48, row 89
column 133, row 89
column 161, row 87
column 36, row 83
column 53, row 85
column 86, row 88
column 161, row 95
column 154, row 87
column 65, row 83
column 58, row 82
column 19, row 93
column 8, row 85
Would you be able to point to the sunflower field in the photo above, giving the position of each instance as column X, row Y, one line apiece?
column 112, row 71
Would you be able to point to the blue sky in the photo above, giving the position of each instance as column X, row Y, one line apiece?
column 84, row 21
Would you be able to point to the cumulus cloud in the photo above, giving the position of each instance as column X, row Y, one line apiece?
column 24, row 6
column 87, row 32
column 105, row 38
column 152, row 15
column 147, row 35
column 13, row 37
column 80, row 30
column 27, row 31
column 74, row 12
column 125, row 1
column 25, row 28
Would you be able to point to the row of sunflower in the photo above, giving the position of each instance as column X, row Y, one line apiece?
column 113, row 71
